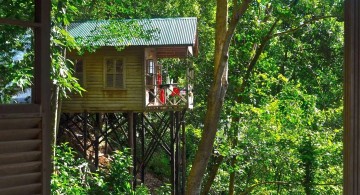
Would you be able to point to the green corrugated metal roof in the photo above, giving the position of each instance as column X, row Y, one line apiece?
column 170, row 31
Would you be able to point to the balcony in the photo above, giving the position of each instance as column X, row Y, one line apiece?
column 168, row 97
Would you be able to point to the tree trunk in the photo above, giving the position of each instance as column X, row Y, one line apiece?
column 232, row 177
column 217, row 92
column 214, row 105
column 212, row 174
column 55, row 110
column 233, row 162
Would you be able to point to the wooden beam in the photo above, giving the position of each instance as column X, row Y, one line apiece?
column 42, row 85
column 172, row 52
column 21, row 23
column 352, row 99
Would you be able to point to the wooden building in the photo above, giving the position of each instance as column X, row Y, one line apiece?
column 25, row 135
column 132, row 79
column 129, row 92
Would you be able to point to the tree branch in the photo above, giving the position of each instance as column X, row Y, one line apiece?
column 269, row 36
column 240, row 11
column 251, row 188
column 313, row 19
column 254, row 60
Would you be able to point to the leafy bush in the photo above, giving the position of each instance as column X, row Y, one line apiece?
column 160, row 164
column 163, row 190
column 118, row 179
column 142, row 190
column 72, row 175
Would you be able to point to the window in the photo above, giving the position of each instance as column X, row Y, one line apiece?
column 114, row 73
column 79, row 70
column 149, row 72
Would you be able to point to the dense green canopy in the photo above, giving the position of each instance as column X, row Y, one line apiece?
column 280, row 125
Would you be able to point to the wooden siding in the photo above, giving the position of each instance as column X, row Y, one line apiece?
column 20, row 154
column 97, row 98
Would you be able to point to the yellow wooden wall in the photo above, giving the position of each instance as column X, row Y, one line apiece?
column 97, row 98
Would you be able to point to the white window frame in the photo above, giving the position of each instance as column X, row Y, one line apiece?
column 115, row 73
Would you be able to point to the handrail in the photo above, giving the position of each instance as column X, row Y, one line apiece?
column 166, row 95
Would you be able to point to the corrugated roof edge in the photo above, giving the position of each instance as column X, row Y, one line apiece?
column 167, row 37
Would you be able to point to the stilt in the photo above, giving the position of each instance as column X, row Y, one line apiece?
column 130, row 116
column 106, row 134
column 172, row 152
column 134, row 150
column 97, row 129
column 84, row 123
column 142, row 150
column 177, row 152
column 86, row 130
column 183, row 157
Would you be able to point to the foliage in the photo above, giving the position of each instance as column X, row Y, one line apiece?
column 285, row 144
column 16, row 52
column 17, row 48
column 61, row 41
column 72, row 175
column 118, row 180
column 280, row 130
column 163, row 190
column 159, row 164
column 118, row 30
column 14, row 43
column 142, row 190
column 297, row 65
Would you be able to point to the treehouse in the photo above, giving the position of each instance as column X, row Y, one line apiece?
column 131, row 78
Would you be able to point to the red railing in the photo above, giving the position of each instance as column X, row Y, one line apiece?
column 168, row 96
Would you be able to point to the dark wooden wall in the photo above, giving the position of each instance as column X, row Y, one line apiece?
column 352, row 99
column 25, row 134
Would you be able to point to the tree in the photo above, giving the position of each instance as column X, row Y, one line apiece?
column 265, row 21
column 223, row 36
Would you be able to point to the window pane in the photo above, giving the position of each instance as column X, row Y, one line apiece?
column 110, row 66
column 109, row 80
column 79, row 66
column 119, row 66
column 150, row 67
column 16, row 64
column 80, row 77
column 119, row 81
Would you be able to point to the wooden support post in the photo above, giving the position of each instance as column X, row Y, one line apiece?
column 130, row 116
column 172, row 152
column 41, row 94
column 97, row 129
column 352, row 99
column 142, row 149
column 106, row 133
column 84, row 123
column 134, row 151
column 177, row 153
column 183, row 157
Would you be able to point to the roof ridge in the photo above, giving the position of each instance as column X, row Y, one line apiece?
column 106, row 20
